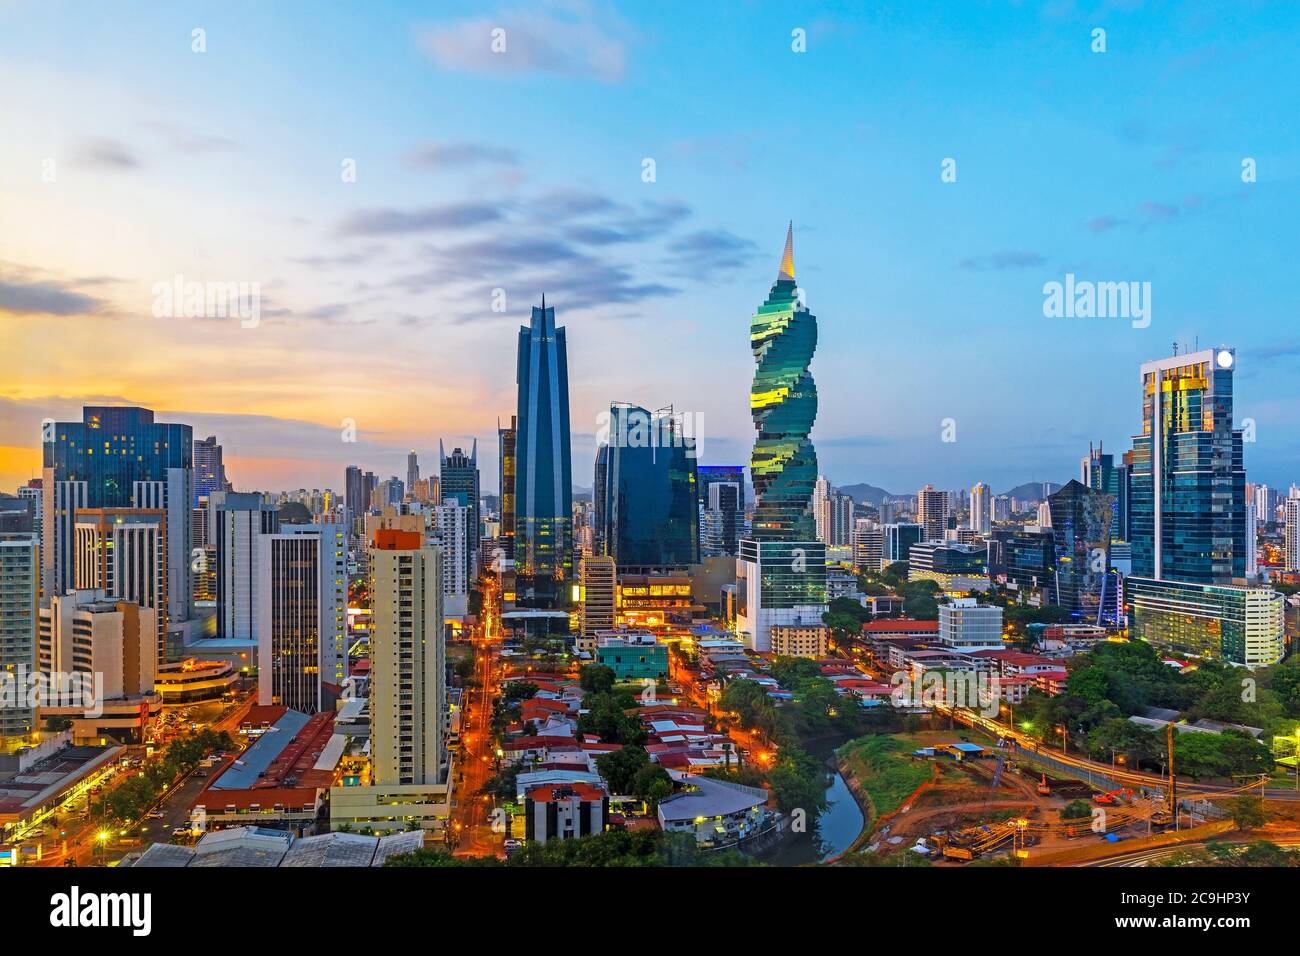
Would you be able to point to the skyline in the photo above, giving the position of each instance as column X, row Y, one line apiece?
column 376, row 304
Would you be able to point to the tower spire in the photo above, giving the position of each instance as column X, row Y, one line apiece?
column 787, row 257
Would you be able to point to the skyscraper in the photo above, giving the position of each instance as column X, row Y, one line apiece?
column 543, row 463
column 412, row 470
column 1085, row 584
column 722, row 508
column 599, row 586
column 236, row 520
column 20, row 581
column 1188, row 498
column 459, row 479
column 408, row 690
column 981, row 508
column 209, row 469
column 647, row 516
column 932, row 513
column 781, row 570
column 506, row 478
column 1097, row 470
column 123, row 552
column 1291, row 523
column 119, row 457
column 821, row 508
column 783, row 401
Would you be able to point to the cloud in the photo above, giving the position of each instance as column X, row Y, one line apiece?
column 1005, row 259
column 706, row 252
column 22, row 293
column 382, row 222
column 106, row 154
column 1104, row 223
column 459, row 155
column 574, row 41
column 187, row 140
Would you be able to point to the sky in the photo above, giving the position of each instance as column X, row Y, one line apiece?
column 399, row 193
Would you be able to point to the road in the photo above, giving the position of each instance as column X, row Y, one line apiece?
column 471, row 816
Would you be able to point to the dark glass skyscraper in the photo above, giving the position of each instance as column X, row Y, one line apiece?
column 1100, row 473
column 1187, row 474
column 459, row 480
column 783, row 401
column 722, row 508
column 647, row 516
column 543, row 466
column 118, row 457
column 1086, row 586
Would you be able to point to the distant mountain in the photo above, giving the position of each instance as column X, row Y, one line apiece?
column 1032, row 490
column 869, row 494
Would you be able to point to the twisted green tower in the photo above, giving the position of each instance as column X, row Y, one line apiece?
column 783, row 401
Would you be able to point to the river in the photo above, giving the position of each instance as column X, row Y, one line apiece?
column 832, row 832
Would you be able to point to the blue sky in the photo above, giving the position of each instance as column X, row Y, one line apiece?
column 523, row 171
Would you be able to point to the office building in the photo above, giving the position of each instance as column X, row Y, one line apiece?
column 209, row 469
column 598, row 595
column 722, row 509
column 899, row 538
column 1188, row 480
column 459, row 480
column 868, row 546
column 633, row 656
column 87, row 632
column 1025, row 560
column 647, row 516
column 543, row 466
column 1245, row 626
column 408, row 694
column 1098, row 471
column 333, row 563
column 291, row 604
column 953, row 566
column 967, row 625
column 1086, row 585
column 781, row 571
column 118, row 457
column 20, row 582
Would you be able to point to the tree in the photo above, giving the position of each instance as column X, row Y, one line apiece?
column 620, row 768
column 596, row 678
column 651, row 784
column 1247, row 811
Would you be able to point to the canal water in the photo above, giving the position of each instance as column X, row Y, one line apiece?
column 832, row 832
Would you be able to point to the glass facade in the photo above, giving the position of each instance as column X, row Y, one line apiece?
column 1239, row 625
column 791, row 573
column 648, row 514
column 722, row 508
column 1086, row 586
column 543, row 466
column 458, row 479
column 114, row 446
column 783, row 401
column 1187, row 476
column 1026, row 559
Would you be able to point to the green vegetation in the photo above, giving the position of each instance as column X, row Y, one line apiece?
column 133, row 797
column 1076, row 810
column 615, row 848
column 1115, row 681
column 596, row 679
column 884, row 770
column 611, row 716
column 845, row 617
column 629, row 771
column 1257, row 854
column 1247, row 811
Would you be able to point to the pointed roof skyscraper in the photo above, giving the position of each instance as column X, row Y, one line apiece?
column 787, row 257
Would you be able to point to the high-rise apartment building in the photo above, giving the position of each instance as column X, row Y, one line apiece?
column 1188, row 479
column 1291, row 524
column 932, row 513
column 506, row 438
column 87, row 632
column 451, row 520
column 236, row 522
column 408, row 694
column 543, row 466
column 981, row 508
column 123, row 552
column 412, row 470
column 20, row 582
column 459, row 480
column 722, row 508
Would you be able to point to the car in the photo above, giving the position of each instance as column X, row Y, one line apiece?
column 155, row 814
